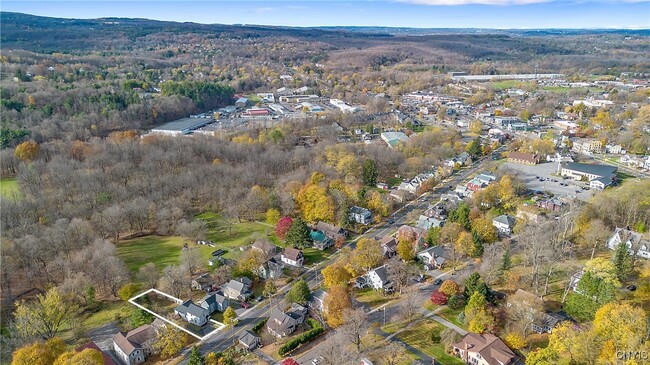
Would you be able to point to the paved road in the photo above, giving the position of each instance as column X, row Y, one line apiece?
column 222, row 340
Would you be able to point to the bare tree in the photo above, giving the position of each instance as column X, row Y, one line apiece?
column 356, row 324
column 596, row 235
column 195, row 230
column 149, row 275
column 408, row 307
column 175, row 280
column 334, row 351
column 391, row 354
column 398, row 273
column 191, row 259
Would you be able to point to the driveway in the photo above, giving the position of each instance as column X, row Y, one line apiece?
column 103, row 337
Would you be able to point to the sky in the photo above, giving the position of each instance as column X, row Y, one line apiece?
column 495, row 14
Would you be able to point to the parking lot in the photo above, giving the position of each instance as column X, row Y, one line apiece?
column 548, row 182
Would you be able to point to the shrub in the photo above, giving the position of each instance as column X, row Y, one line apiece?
column 293, row 343
column 259, row 325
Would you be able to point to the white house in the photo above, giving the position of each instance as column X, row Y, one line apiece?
column 192, row 313
column 293, row 257
column 484, row 349
column 378, row 278
column 432, row 256
column 633, row 240
column 504, row 223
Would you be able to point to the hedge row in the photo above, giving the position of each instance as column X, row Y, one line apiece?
column 304, row 338
column 259, row 325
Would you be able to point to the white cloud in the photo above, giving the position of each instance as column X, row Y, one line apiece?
column 263, row 10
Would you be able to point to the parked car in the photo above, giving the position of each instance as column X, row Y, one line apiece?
column 218, row 252
column 390, row 221
column 317, row 360
column 631, row 287
column 245, row 305
column 437, row 281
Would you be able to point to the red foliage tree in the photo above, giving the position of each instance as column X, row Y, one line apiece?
column 282, row 227
column 289, row 361
column 438, row 298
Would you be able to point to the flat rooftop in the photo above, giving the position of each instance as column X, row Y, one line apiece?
column 184, row 124
column 507, row 77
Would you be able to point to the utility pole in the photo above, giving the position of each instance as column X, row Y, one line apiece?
column 384, row 317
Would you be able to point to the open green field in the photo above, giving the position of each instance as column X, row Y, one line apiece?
column 162, row 251
column 231, row 238
column 426, row 338
column 578, row 90
column 452, row 316
column 9, row 188
column 313, row 255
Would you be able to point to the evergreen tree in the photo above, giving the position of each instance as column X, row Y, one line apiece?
column 299, row 235
column 460, row 215
column 299, row 292
column 474, row 283
column 506, row 264
column 195, row 357
column 369, row 172
column 477, row 248
column 622, row 261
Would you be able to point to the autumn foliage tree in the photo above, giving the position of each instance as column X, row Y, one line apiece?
column 39, row 353
column 315, row 203
column 449, row 288
column 336, row 274
column 27, row 151
column 367, row 255
column 283, row 226
column 336, row 302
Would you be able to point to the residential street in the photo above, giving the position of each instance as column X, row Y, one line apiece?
column 222, row 340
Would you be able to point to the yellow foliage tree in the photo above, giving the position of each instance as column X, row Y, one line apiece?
column 367, row 255
column 485, row 229
column 243, row 139
column 272, row 216
column 336, row 274
column 336, row 302
column 315, row 203
column 84, row 357
column 464, row 243
column 622, row 324
column 376, row 203
column 39, row 353
column 515, row 341
column 27, row 151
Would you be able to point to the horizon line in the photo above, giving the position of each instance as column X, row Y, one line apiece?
column 332, row 26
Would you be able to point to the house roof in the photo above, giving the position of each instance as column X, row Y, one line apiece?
column 248, row 338
column 388, row 241
column 280, row 322
column 319, row 294
column 190, row 307
column 266, row 247
column 91, row 345
column 292, row 253
column 530, row 157
column 359, row 210
column 329, row 229
column 435, row 251
column 236, row 286
column 381, row 273
column 490, row 347
column 505, row 219
column 416, row 230
column 600, row 170
column 318, row 235
column 134, row 339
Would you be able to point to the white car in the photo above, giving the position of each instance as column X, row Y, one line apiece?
column 317, row 360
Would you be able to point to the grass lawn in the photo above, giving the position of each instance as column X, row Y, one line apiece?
column 565, row 90
column 231, row 238
column 9, row 188
column 162, row 251
column 428, row 305
column 372, row 297
column 452, row 316
column 313, row 255
column 426, row 338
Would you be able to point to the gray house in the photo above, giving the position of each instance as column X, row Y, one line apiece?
column 216, row 302
column 249, row 340
column 271, row 269
column 192, row 313
column 360, row 215
column 238, row 289
column 134, row 346
column 281, row 324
